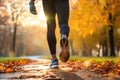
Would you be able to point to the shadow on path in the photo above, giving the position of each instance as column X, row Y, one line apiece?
column 65, row 75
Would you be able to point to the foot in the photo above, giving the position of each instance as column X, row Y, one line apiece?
column 32, row 8
column 64, row 54
column 54, row 64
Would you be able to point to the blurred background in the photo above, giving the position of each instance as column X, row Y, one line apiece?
column 94, row 25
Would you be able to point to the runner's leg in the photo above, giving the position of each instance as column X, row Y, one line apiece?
column 62, row 9
column 49, row 10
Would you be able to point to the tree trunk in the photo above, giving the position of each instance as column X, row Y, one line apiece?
column 14, row 36
column 111, row 40
column 1, row 52
column 117, row 50
column 111, row 36
column 89, row 52
column 105, row 49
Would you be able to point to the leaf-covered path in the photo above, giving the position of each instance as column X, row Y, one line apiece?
column 39, row 70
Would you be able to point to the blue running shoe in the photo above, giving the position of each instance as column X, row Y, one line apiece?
column 54, row 64
column 32, row 8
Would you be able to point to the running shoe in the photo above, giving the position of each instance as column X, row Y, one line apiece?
column 64, row 54
column 54, row 64
column 32, row 8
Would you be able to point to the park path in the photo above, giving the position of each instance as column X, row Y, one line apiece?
column 39, row 70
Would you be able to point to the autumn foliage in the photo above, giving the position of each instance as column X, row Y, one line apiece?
column 89, row 23
column 104, row 68
column 13, row 66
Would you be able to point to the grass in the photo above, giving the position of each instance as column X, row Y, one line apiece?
column 6, row 59
column 98, row 59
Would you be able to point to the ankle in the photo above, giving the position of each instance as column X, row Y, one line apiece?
column 54, row 56
column 32, row 1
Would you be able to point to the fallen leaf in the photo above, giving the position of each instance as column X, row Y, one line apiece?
column 9, row 70
column 2, row 67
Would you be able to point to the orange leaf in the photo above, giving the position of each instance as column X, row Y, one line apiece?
column 9, row 70
column 2, row 67
column 118, row 65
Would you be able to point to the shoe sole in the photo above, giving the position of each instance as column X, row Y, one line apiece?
column 64, row 54
column 54, row 67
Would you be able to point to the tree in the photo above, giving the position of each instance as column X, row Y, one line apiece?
column 91, row 20
column 85, row 22
column 17, row 8
column 112, row 10
column 4, row 29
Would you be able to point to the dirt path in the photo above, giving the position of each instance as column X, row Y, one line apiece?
column 40, row 71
